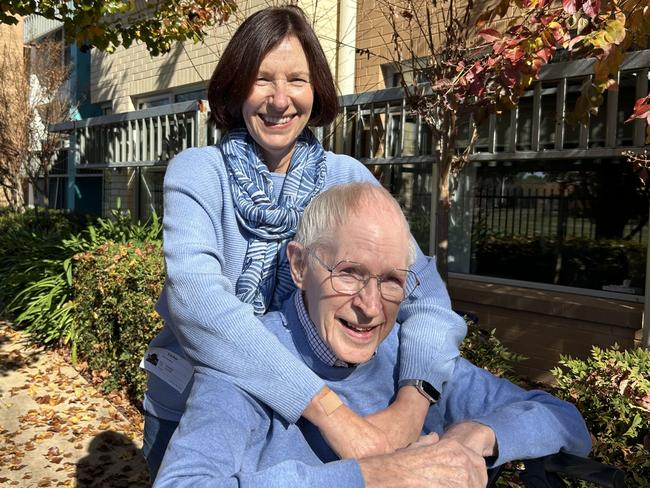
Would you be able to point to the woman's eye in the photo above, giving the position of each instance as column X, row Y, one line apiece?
column 262, row 82
column 298, row 82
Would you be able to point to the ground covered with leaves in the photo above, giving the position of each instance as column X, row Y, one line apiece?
column 57, row 429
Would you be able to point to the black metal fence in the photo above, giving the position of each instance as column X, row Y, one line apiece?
column 541, row 212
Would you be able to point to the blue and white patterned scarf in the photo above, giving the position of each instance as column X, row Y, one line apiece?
column 271, row 223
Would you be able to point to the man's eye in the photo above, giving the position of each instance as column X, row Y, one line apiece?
column 262, row 82
column 351, row 271
column 394, row 280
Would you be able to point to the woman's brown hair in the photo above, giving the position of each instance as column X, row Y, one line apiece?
column 237, row 69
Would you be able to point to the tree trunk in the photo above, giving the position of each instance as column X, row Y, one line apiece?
column 442, row 225
column 447, row 149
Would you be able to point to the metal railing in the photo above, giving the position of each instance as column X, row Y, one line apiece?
column 545, row 212
column 379, row 127
column 142, row 138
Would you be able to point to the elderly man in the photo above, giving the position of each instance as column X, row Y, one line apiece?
column 350, row 261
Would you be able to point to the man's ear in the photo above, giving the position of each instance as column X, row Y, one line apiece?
column 297, row 256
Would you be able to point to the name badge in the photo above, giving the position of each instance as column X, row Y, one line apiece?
column 168, row 366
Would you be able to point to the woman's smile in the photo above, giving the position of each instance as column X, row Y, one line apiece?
column 279, row 104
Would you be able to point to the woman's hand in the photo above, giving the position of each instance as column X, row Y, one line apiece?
column 478, row 437
column 348, row 434
column 402, row 421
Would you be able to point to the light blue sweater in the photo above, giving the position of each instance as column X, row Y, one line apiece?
column 204, row 250
column 229, row 439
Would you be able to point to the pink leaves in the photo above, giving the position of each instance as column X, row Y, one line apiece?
column 589, row 7
column 570, row 6
column 490, row 35
column 641, row 109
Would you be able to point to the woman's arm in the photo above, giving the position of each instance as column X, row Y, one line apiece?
column 212, row 325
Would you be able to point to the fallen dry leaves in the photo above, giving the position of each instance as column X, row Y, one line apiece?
column 58, row 430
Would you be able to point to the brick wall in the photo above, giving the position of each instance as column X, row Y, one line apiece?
column 374, row 34
column 126, row 75
column 542, row 325
column 11, row 38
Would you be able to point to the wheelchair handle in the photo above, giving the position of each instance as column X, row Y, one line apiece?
column 585, row 469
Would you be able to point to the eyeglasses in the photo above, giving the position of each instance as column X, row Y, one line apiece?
column 349, row 278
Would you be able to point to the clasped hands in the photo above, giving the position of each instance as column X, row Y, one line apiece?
column 392, row 453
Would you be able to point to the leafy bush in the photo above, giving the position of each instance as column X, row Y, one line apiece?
column 29, row 249
column 483, row 349
column 612, row 391
column 37, row 259
column 115, row 289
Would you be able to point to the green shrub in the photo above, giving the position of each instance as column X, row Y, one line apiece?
column 115, row 289
column 483, row 349
column 37, row 259
column 30, row 250
column 612, row 391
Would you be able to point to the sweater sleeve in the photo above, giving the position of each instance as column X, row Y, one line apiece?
column 221, row 439
column 431, row 331
column 214, row 328
column 527, row 424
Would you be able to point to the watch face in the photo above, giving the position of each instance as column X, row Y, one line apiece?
column 430, row 391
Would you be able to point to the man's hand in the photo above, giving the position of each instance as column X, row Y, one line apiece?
column 444, row 464
column 348, row 434
column 478, row 437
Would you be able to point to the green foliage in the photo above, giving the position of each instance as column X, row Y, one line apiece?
column 119, row 228
column 109, row 24
column 115, row 289
column 36, row 257
column 483, row 349
column 612, row 391
column 30, row 250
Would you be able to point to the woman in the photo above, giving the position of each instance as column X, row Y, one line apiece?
column 229, row 211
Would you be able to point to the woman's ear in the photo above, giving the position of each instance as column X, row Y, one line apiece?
column 297, row 256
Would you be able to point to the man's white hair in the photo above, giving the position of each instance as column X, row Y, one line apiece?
column 332, row 207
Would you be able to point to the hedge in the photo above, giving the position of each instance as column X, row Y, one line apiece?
column 115, row 289
column 611, row 389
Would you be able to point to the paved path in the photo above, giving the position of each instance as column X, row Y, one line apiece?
column 58, row 430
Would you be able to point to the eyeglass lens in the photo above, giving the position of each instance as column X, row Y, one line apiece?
column 351, row 278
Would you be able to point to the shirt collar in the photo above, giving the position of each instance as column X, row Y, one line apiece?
column 322, row 351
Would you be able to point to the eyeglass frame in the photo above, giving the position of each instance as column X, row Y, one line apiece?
column 370, row 276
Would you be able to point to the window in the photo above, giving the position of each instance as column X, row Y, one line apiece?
column 201, row 94
column 154, row 101
column 580, row 223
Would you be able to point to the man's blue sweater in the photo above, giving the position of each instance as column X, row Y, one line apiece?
column 204, row 251
column 227, row 438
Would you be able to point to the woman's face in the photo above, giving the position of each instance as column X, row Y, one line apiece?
column 279, row 104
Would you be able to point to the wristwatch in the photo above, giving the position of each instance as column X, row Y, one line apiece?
column 425, row 389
